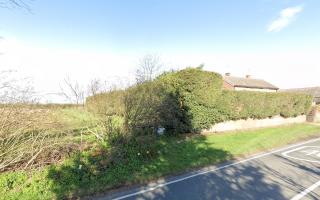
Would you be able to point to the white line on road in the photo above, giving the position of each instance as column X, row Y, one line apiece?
column 285, row 154
column 306, row 191
column 149, row 189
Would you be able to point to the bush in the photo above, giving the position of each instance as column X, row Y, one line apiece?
column 142, row 106
column 152, row 105
column 196, row 91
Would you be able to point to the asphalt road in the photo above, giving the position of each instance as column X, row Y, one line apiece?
column 290, row 173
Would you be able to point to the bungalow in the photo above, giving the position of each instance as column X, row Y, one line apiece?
column 313, row 91
column 247, row 83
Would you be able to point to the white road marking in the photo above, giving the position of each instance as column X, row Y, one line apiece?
column 149, row 189
column 285, row 154
column 306, row 191
column 310, row 152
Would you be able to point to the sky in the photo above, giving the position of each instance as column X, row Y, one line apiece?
column 275, row 40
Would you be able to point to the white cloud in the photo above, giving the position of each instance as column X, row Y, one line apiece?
column 286, row 17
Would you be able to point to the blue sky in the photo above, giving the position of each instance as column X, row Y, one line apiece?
column 222, row 34
column 153, row 25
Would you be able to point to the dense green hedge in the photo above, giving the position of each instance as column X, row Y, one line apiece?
column 196, row 91
column 192, row 99
column 237, row 105
column 205, row 103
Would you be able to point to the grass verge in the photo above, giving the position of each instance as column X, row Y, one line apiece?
column 88, row 173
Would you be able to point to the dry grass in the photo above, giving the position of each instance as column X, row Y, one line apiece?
column 30, row 137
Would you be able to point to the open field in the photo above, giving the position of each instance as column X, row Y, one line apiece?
column 32, row 137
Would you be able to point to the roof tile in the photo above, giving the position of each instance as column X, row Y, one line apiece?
column 249, row 83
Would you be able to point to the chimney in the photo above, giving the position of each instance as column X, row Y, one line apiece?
column 228, row 74
column 248, row 76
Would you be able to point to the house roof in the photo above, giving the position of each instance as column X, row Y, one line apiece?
column 249, row 83
column 313, row 91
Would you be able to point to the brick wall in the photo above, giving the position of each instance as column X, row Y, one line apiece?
column 227, row 86
column 254, row 123
column 311, row 117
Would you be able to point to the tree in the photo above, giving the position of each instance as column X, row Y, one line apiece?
column 15, row 90
column 148, row 68
column 14, row 4
column 73, row 91
column 94, row 87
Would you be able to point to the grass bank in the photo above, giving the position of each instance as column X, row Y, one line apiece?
column 87, row 173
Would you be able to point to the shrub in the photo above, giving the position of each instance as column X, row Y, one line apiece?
column 151, row 105
column 196, row 91
column 142, row 103
column 178, row 101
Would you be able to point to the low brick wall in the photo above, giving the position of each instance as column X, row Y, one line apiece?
column 317, row 118
column 254, row 123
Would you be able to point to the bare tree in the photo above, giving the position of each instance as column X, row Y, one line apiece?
column 73, row 91
column 95, row 86
column 14, row 4
column 15, row 90
column 148, row 68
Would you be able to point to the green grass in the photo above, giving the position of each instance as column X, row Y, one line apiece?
column 137, row 163
column 247, row 142
column 75, row 118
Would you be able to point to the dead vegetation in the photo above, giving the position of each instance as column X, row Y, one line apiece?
column 27, row 133
column 28, row 138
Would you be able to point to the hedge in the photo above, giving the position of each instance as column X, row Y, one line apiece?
column 196, row 91
column 191, row 100
column 206, row 103
column 259, row 105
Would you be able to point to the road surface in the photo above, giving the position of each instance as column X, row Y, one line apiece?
column 290, row 173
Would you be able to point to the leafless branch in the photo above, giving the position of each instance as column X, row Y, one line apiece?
column 148, row 68
column 73, row 91
column 15, row 4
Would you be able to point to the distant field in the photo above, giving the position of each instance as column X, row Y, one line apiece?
column 96, row 170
